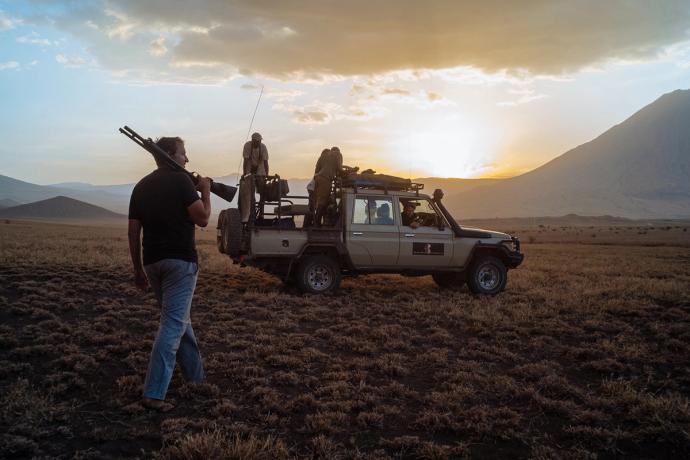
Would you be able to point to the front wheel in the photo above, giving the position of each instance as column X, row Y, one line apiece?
column 488, row 275
column 318, row 274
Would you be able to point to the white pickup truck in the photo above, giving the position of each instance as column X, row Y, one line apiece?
column 365, row 234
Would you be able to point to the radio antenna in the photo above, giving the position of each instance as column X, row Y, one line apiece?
column 251, row 123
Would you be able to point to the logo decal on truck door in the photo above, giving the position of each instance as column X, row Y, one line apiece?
column 427, row 249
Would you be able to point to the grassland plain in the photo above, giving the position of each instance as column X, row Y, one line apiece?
column 584, row 356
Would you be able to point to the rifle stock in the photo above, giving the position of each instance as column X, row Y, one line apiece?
column 226, row 192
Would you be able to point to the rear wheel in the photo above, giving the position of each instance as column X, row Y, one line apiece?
column 219, row 236
column 232, row 232
column 318, row 274
column 488, row 275
column 449, row 280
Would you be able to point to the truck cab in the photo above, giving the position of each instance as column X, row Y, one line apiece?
column 367, row 233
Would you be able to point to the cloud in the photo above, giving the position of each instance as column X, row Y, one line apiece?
column 372, row 91
column 321, row 42
column 70, row 61
column 317, row 113
column 34, row 39
column 7, row 22
column 395, row 92
column 433, row 97
column 9, row 65
column 157, row 47
column 311, row 117
column 290, row 38
column 524, row 95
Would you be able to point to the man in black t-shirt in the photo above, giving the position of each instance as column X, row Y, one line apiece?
column 166, row 206
column 408, row 216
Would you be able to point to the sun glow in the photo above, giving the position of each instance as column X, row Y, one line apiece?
column 452, row 147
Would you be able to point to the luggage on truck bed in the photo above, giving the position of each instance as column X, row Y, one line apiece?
column 377, row 181
column 274, row 189
column 292, row 209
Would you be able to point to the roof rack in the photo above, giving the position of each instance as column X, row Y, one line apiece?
column 384, row 182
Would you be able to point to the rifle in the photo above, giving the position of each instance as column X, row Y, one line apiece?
column 226, row 192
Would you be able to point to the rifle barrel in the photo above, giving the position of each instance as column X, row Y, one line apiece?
column 226, row 192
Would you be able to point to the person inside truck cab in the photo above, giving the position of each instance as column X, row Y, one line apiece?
column 408, row 216
column 383, row 215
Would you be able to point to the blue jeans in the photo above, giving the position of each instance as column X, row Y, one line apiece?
column 173, row 282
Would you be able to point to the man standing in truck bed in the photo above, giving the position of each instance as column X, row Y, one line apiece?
column 165, row 204
column 254, row 172
column 328, row 167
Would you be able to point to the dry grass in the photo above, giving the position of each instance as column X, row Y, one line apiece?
column 584, row 356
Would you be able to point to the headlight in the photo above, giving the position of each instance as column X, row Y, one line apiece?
column 511, row 245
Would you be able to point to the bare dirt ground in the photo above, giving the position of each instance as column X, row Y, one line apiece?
column 584, row 356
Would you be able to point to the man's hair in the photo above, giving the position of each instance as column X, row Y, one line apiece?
column 169, row 144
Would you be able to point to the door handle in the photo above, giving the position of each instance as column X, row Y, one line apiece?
column 409, row 235
column 357, row 233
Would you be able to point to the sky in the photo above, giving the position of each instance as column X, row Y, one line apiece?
column 463, row 89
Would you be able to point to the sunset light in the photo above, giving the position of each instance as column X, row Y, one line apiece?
column 345, row 229
column 452, row 146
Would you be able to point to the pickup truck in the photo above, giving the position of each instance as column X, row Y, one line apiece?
column 364, row 235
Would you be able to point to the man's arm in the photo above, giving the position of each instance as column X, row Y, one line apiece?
column 265, row 151
column 246, row 163
column 134, row 236
column 200, row 210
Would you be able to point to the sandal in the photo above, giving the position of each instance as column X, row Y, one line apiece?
column 156, row 404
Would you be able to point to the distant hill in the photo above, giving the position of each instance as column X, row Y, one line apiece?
column 119, row 189
column 26, row 192
column 637, row 169
column 60, row 208
column 7, row 203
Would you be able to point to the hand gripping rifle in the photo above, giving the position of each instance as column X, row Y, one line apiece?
column 226, row 192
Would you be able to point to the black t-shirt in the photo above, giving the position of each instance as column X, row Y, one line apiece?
column 159, row 201
column 407, row 220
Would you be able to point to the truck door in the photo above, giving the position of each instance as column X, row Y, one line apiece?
column 372, row 235
column 426, row 246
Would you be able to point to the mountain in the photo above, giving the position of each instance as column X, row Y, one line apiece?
column 60, row 208
column 7, row 203
column 120, row 189
column 637, row 169
column 26, row 192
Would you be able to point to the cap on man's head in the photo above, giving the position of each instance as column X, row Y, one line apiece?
column 256, row 137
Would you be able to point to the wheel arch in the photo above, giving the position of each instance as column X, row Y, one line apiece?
column 496, row 250
column 335, row 251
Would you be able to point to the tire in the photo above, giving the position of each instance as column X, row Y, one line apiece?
column 449, row 280
column 232, row 232
column 487, row 276
column 219, row 236
column 318, row 274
